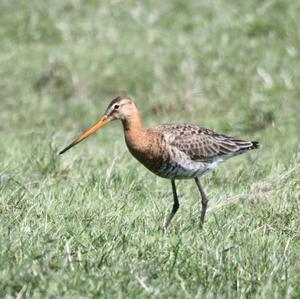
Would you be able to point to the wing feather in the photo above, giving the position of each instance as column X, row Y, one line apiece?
column 202, row 144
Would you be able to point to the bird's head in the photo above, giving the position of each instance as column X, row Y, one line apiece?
column 119, row 108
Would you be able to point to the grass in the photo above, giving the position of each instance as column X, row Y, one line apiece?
column 89, row 224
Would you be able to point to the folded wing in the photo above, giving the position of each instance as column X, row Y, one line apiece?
column 202, row 144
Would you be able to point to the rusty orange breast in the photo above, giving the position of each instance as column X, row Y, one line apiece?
column 147, row 147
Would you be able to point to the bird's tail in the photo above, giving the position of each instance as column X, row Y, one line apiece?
column 245, row 145
column 255, row 144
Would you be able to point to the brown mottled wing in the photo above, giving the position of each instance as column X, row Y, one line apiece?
column 202, row 144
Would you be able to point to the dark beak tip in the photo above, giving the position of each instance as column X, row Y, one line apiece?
column 62, row 152
column 67, row 148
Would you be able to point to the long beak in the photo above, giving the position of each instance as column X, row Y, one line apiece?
column 101, row 123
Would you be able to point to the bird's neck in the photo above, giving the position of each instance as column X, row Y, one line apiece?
column 134, row 131
column 133, row 124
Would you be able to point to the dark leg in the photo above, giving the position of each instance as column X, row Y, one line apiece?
column 204, row 202
column 175, row 206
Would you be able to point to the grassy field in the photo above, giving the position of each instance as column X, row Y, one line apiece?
column 89, row 224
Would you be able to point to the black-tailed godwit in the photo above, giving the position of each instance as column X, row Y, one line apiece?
column 172, row 151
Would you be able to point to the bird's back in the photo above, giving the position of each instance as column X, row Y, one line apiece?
column 202, row 144
column 193, row 150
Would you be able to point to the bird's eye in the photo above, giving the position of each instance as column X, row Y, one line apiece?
column 116, row 107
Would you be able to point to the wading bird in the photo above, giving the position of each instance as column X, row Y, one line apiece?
column 172, row 151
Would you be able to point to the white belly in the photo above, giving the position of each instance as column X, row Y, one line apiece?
column 179, row 171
